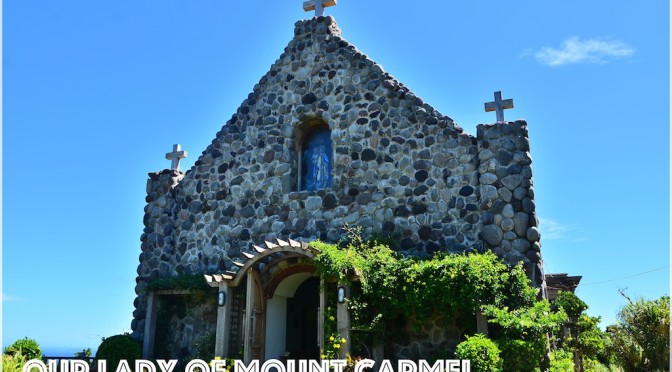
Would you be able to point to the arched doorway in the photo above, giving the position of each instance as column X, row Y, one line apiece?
column 292, row 318
column 283, row 304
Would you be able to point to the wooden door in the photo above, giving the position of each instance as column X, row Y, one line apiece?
column 255, row 318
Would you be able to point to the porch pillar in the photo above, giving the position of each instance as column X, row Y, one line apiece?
column 249, row 314
column 223, row 322
column 150, row 326
column 320, row 315
column 343, row 322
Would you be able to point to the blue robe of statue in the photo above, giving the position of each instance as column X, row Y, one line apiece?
column 317, row 157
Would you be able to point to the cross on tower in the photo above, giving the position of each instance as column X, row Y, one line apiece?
column 175, row 157
column 318, row 6
column 499, row 105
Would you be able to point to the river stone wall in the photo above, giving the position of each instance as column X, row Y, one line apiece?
column 185, row 325
column 399, row 168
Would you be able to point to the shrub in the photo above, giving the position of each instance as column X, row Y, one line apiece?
column 641, row 338
column 27, row 347
column 13, row 363
column 562, row 361
column 569, row 302
column 522, row 355
column 115, row 348
column 482, row 352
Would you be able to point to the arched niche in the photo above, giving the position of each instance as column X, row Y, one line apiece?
column 315, row 155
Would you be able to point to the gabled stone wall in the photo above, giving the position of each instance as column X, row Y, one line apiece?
column 400, row 168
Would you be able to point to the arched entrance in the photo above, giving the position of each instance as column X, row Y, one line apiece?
column 283, row 303
column 291, row 318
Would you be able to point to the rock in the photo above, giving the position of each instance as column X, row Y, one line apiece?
column 492, row 234
column 507, row 212
column 485, row 155
column 466, row 190
column 351, row 218
column 488, row 192
column 509, row 235
column 389, row 203
column 421, row 175
column 520, row 221
column 402, row 211
column 330, row 201
column 247, row 212
column 533, row 256
column 420, row 190
column 519, row 193
column 528, row 205
column 308, row 98
column 368, row 155
column 504, row 157
column 277, row 226
column 424, row 232
column 513, row 257
column 505, row 194
column 487, row 179
column 533, row 234
column 440, row 160
column 313, row 203
column 507, row 224
column 521, row 245
column 407, row 243
column 512, row 181
column 422, row 164
column 536, row 246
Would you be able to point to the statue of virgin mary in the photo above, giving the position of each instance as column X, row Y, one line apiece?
column 317, row 157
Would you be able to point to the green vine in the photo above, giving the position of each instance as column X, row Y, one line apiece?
column 333, row 340
column 388, row 285
column 181, row 281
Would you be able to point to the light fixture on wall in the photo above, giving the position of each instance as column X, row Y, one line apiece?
column 221, row 298
column 341, row 294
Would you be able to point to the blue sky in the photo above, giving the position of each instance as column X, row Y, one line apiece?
column 96, row 92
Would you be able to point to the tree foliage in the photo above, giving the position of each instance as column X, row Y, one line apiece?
column 640, row 339
column 117, row 348
column 27, row 347
column 482, row 352
column 522, row 333
column 570, row 303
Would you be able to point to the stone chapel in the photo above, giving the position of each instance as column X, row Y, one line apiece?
column 326, row 138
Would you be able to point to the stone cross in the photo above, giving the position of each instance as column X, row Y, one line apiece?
column 499, row 105
column 318, row 6
column 175, row 156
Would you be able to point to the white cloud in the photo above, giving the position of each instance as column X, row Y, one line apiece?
column 552, row 230
column 6, row 297
column 574, row 50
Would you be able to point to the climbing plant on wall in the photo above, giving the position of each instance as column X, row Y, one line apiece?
column 392, row 285
column 387, row 286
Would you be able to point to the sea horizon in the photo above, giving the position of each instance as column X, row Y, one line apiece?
column 64, row 351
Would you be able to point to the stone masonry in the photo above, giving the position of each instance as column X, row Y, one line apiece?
column 399, row 168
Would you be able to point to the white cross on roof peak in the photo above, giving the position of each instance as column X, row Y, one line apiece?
column 175, row 156
column 499, row 106
column 318, row 6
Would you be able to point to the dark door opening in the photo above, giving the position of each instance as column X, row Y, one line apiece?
column 301, row 336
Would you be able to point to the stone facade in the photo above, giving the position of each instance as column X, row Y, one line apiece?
column 400, row 168
column 184, row 324
column 433, row 340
